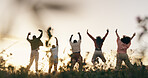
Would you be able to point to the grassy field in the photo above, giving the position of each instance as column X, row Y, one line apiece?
column 99, row 71
column 65, row 72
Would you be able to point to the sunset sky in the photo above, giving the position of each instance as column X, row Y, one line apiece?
column 66, row 17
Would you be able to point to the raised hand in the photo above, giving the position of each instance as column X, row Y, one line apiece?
column 56, row 41
column 28, row 36
column 78, row 32
column 29, row 33
column 107, row 30
column 79, row 35
column 40, row 30
column 117, row 33
column 116, row 30
column 134, row 34
column 70, row 37
column 55, row 37
column 87, row 30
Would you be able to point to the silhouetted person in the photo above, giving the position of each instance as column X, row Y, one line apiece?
column 76, row 56
column 35, row 44
column 53, row 60
column 49, row 36
column 123, row 44
column 98, row 47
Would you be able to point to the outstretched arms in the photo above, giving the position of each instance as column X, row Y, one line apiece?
column 117, row 34
column 56, row 41
column 90, row 35
column 133, row 36
column 106, row 34
column 70, row 38
column 79, row 35
column 41, row 33
column 28, row 36
column 119, row 37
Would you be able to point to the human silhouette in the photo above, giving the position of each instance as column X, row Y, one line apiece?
column 98, row 42
column 35, row 44
column 123, row 44
column 76, row 56
column 53, row 60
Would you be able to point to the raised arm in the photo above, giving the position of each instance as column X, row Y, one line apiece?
column 49, row 33
column 90, row 36
column 117, row 34
column 106, row 34
column 56, row 41
column 133, row 36
column 41, row 33
column 70, row 38
column 79, row 35
column 28, row 36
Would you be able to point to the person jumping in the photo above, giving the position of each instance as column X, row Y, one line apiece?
column 35, row 44
column 76, row 56
column 123, row 44
column 98, row 48
column 53, row 60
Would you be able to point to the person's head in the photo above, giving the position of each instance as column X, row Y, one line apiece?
column 74, row 41
column 53, row 46
column 34, row 37
column 98, row 40
column 126, row 39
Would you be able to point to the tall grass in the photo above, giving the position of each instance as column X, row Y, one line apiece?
column 136, row 72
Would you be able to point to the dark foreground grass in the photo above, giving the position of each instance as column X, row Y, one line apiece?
column 136, row 72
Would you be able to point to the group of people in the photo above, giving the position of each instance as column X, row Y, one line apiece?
column 123, row 44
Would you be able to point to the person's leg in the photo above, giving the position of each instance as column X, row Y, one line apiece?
column 118, row 62
column 55, row 67
column 127, row 61
column 36, row 61
column 102, row 57
column 73, row 61
column 50, row 65
column 32, row 57
column 94, row 58
column 55, row 64
column 80, row 62
column 97, row 60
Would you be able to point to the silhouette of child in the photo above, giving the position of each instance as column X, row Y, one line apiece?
column 53, row 60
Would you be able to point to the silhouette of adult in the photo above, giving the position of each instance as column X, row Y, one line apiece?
column 98, row 47
column 123, row 44
column 35, row 44
column 76, row 56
